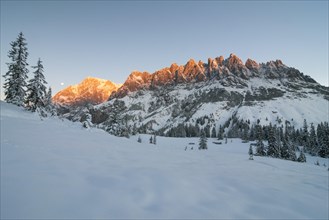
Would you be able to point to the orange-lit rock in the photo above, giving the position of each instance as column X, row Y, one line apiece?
column 90, row 90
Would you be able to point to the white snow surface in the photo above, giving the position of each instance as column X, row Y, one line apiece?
column 56, row 169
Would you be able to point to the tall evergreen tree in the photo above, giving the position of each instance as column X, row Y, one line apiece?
column 154, row 139
column 220, row 133
column 312, row 144
column 323, row 137
column 305, row 135
column 15, row 78
column 260, row 149
column 213, row 132
column 36, row 89
column 49, row 106
column 203, row 141
column 273, row 149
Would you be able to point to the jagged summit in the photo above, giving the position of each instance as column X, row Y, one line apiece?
column 90, row 90
column 228, row 72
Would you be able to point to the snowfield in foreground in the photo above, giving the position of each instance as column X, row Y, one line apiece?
column 56, row 169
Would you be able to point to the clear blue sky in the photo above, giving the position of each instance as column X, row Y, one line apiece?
column 110, row 39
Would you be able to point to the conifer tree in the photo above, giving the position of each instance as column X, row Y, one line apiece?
column 220, row 133
column 305, row 134
column 260, row 149
column 15, row 78
column 251, row 153
column 273, row 148
column 323, row 137
column 49, row 106
column 213, row 132
column 36, row 89
column 203, row 141
column 154, row 139
column 312, row 144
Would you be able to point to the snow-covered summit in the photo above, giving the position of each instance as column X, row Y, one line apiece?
column 90, row 90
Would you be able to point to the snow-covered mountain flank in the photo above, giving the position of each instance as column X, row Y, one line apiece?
column 90, row 90
column 184, row 100
column 54, row 169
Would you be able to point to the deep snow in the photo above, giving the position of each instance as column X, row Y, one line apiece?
column 56, row 169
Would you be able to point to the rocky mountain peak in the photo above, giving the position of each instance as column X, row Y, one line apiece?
column 90, row 90
column 251, row 64
column 229, row 72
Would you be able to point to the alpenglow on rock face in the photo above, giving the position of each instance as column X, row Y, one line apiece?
column 184, row 100
column 89, row 91
column 228, row 72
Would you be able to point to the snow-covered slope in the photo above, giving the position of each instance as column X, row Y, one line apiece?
column 55, row 169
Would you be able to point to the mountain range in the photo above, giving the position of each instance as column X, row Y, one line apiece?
column 181, row 100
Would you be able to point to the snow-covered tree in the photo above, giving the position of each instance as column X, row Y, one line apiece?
column 36, row 89
column 15, row 78
column 273, row 149
column 203, row 141
column 251, row 153
column 312, row 144
column 154, row 139
column 49, row 106
column 260, row 148
column 323, row 139
column 220, row 133
column 213, row 132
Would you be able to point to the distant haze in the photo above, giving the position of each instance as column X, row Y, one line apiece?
column 110, row 39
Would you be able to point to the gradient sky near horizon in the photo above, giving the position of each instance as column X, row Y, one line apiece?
column 110, row 39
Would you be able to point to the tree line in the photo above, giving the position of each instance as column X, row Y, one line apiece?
column 19, row 90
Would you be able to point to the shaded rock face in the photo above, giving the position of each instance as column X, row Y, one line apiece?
column 89, row 91
column 230, row 71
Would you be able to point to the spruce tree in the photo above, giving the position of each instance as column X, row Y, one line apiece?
column 260, row 149
column 203, row 141
column 251, row 153
column 312, row 142
column 15, row 78
column 305, row 135
column 273, row 147
column 323, row 137
column 220, row 133
column 36, row 89
column 49, row 106
column 213, row 132
column 154, row 139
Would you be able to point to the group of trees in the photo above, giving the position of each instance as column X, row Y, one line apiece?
column 284, row 142
column 31, row 94
column 280, row 141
